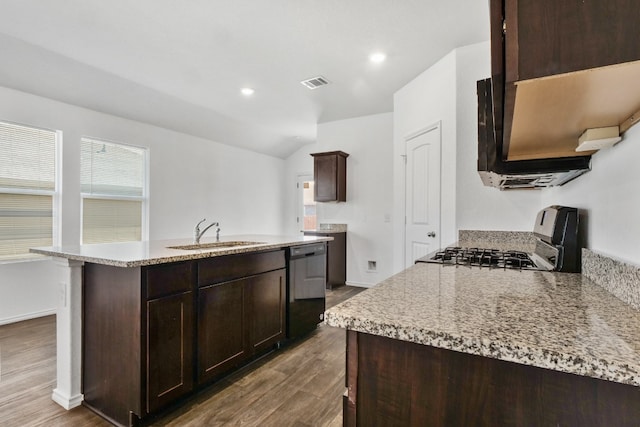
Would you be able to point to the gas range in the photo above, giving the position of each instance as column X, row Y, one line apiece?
column 557, row 249
column 486, row 258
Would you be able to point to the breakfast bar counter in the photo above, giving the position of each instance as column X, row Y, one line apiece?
column 129, row 298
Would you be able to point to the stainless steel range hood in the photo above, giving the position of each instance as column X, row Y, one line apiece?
column 518, row 174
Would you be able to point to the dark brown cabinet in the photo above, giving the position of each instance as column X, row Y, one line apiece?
column 266, row 298
column 169, row 345
column 137, row 338
column 336, row 257
column 242, row 316
column 543, row 99
column 399, row 383
column 154, row 334
column 221, row 329
column 169, row 349
column 330, row 176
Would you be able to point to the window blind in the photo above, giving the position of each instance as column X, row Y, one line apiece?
column 111, row 169
column 27, row 157
column 27, row 186
column 113, row 187
column 107, row 220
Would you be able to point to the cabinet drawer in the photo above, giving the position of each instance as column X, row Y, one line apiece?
column 230, row 267
column 169, row 279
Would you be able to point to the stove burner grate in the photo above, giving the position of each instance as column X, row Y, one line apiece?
column 484, row 258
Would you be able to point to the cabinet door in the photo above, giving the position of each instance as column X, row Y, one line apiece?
column 169, row 349
column 547, row 37
column 221, row 329
column 336, row 260
column 266, row 296
column 325, row 175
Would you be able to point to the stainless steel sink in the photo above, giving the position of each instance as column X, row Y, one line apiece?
column 214, row 245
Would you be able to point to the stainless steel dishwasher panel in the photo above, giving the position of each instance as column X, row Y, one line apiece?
column 306, row 288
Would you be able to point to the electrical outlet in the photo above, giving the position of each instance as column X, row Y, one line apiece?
column 371, row 265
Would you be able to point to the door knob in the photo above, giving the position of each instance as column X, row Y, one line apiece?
column 431, row 234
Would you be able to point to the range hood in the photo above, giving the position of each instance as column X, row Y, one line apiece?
column 497, row 172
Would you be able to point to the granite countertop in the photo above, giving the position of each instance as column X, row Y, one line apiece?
column 558, row 321
column 135, row 254
column 329, row 229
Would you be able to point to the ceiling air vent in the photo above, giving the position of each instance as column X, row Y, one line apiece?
column 315, row 82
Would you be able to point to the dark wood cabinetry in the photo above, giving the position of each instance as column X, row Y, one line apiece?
column 398, row 383
column 330, row 176
column 543, row 99
column 152, row 335
column 221, row 329
column 169, row 349
column 336, row 257
column 266, row 297
column 242, row 317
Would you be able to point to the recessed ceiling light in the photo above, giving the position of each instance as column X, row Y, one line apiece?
column 247, row 91
column 377, row 57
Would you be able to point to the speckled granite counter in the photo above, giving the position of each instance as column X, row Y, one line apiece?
column 558, row 321
column 135, row 254
column 329, row 229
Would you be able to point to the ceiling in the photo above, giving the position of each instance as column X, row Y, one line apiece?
column 181, row 64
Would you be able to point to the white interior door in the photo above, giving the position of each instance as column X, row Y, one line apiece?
column 422, row 193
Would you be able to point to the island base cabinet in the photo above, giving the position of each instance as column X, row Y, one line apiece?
column 266, row 298
column 398, row 383
column 170, row 349
column 221, row 329
column 112, row 352
column 239, row 319
column 153, row 335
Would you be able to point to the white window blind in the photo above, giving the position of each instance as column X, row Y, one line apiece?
column 113, row 191
column 27, row 189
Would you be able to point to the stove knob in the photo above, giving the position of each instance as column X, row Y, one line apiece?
column 431, row 234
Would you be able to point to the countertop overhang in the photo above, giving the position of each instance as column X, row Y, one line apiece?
column 137, row 254
column 558, row 321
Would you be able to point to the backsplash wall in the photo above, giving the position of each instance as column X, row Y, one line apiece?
column 610, row 200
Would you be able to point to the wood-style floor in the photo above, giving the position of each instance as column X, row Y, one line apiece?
column 301, row 385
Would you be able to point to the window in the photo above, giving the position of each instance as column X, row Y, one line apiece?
column 27, row 189
column 306, row 215
column 113, row 186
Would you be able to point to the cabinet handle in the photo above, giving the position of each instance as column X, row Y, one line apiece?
column 431, row 234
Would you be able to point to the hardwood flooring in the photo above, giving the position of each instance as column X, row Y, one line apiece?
column 300, row 385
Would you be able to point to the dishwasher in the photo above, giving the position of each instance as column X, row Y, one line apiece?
column 306, row 288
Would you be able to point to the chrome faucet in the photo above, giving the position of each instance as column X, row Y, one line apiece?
column 197, row 234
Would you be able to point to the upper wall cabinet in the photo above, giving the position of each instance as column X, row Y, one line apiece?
column 559, row 68
column 330, row 176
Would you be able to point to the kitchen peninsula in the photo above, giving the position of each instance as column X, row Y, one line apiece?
column 143, row 324
column 450, row 345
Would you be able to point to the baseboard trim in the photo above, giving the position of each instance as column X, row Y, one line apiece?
column 360, row 284
column 67, row 402
column 28, row 316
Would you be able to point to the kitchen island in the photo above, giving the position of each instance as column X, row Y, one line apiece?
column 143, row 324
column 447, row 345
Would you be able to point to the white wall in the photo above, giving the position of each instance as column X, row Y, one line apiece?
column 190, row 178
column 446, row 92
column 610, row 196
column 428, row 99
column 479, row 207
column 367, row 212
column 369, row 142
